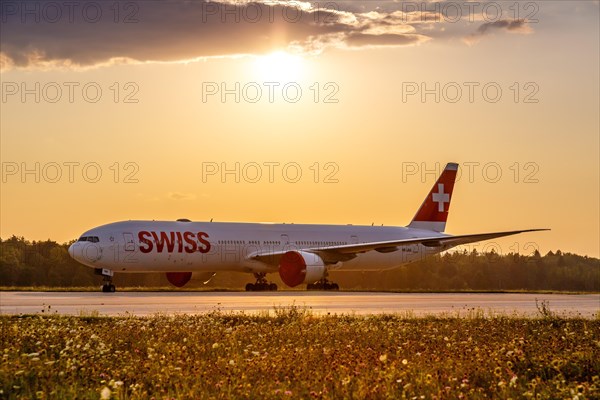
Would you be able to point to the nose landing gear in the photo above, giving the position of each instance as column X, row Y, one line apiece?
column 107, row 274
column 108, row 287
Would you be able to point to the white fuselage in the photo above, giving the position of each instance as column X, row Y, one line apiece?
column 164, row 246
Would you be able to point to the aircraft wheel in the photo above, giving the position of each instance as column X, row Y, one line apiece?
column 108, row 288
column 249, row 287
column 322, row 286
column 273, row 287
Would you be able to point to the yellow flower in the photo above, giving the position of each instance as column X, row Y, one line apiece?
column 105, row 393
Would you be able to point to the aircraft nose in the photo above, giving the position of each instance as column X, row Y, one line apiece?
column 71, row 250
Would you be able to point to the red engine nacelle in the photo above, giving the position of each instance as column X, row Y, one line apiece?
column 297, row 267
column 180, row 279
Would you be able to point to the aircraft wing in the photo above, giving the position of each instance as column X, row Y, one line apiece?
column 334, row 254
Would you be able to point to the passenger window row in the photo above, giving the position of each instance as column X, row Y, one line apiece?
column 93, row 239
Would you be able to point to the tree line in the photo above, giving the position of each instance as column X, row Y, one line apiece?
column 47, row 263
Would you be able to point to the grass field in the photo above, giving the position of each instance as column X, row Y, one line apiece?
column 293, row 354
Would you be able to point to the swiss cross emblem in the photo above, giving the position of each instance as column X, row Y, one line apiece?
column 440, row 197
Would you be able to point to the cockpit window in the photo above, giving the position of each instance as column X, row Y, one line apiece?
column 93, row 239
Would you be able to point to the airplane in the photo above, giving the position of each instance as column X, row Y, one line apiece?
column 300, row 253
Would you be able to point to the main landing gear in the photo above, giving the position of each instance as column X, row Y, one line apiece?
column 322, row 284
column 107, row 285
column 261, row 284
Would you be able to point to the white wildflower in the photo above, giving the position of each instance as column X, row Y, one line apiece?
column 105, row 393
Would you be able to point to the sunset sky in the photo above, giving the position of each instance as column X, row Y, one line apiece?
column 366, row 100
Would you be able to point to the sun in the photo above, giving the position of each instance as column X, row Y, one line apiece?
column 279, row 66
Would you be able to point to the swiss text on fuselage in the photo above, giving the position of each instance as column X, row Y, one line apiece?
column 170, row 242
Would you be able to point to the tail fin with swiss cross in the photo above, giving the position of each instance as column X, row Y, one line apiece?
column 434, row 211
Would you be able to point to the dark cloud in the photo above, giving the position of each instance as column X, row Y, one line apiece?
column 386, row 39
column 37, row 33
column 508, row 25
column 166, row 30
column 514, row 25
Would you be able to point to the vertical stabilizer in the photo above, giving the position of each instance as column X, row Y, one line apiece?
column 433, row 213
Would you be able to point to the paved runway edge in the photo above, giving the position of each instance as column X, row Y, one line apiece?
column 359, row 303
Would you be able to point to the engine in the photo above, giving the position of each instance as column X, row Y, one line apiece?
column 180, row 279
column 297, row 267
